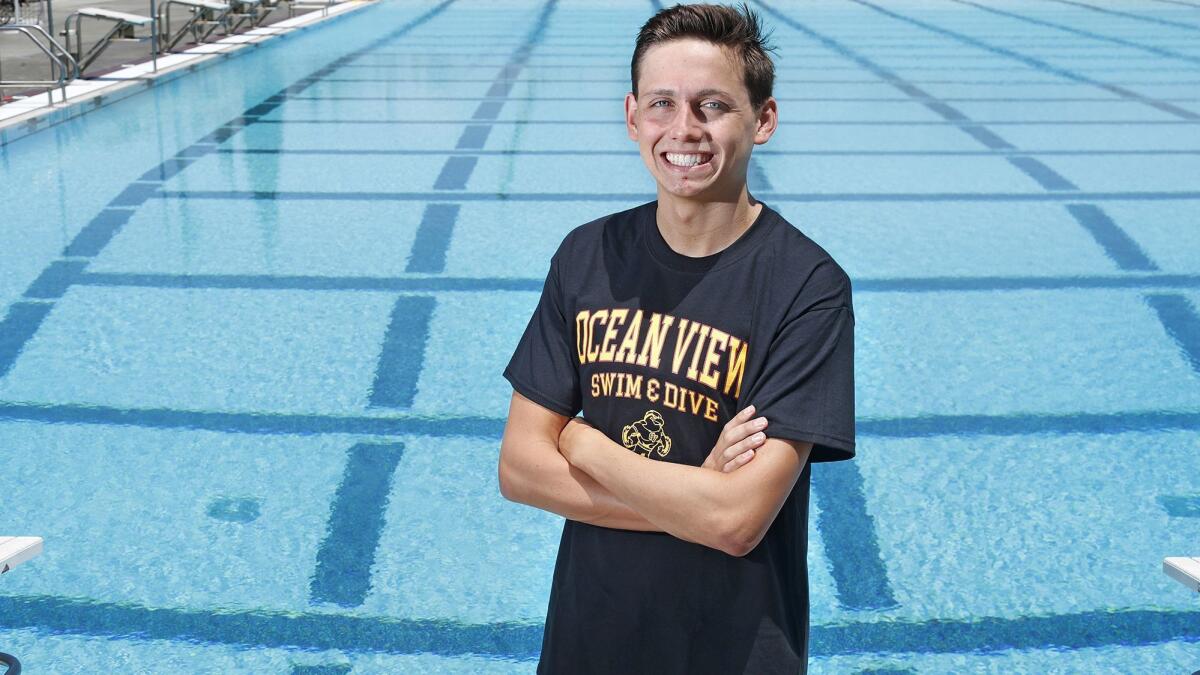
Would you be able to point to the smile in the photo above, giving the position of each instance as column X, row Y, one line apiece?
column 687, row 159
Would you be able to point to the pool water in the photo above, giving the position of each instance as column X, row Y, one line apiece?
column 255, row 319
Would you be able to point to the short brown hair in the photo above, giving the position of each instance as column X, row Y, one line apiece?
column 739, row 29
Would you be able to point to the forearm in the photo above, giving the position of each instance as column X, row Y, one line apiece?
column 682, row 500
column 553, row 484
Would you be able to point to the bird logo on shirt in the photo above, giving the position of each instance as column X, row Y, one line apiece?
column 647, row 435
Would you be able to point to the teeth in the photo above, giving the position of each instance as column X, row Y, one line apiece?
column 685, row 159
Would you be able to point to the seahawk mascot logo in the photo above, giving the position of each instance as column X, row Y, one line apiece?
column 646, row 435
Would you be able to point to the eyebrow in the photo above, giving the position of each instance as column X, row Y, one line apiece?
column 702, row 93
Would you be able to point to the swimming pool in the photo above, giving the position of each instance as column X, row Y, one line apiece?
column 239, row 302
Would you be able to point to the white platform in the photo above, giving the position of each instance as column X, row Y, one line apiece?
column 1184, row 570
column 16, row 550
column 101, row 13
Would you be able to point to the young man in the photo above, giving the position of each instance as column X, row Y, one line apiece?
column 684, row 548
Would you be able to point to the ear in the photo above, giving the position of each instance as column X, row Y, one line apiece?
column 768, row 121
column 630, row 116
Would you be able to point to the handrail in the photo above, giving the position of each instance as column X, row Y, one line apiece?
column 63, row 67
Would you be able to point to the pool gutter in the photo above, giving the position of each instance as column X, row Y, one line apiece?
column 30, row 115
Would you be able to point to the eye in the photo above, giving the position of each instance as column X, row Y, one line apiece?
column 714, row 105
column 664, row 103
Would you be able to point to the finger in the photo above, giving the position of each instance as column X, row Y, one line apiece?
column 739, row 461
column 752, row 441
column 738, row 448
column 747, row 428
column 735, row 430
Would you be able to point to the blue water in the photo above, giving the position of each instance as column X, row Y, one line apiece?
column 255, row 319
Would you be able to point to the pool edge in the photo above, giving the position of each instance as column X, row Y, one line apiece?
column 135, row 79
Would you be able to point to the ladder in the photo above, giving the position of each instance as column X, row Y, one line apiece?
column 63, row 67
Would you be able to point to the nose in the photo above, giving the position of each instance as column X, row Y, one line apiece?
column 687, row 125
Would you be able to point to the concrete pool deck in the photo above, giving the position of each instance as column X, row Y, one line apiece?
column 28, row 115
column 20, row 59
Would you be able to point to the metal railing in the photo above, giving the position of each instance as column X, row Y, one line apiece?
column 63, row 67
column 67, row 63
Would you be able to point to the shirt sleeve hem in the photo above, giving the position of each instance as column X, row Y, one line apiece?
column 826, row 448
column 538, row 397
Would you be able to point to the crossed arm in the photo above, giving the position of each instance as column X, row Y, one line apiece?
column 565, row 466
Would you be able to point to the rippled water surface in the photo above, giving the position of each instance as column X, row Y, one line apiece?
column 255, row 320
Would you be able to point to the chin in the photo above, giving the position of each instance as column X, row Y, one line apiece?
column 688, row 190
column 684, row 193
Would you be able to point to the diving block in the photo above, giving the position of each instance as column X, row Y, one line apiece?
column 203, row 4
column 1184, row 570
column 100, row 13
column 13, row 552
column 16, row 550
column 123, row 24
column 324, row 6
column 246, row 11
column 208, row 13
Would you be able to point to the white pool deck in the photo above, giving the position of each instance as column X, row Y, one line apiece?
column 16, row 550
column 25, row 116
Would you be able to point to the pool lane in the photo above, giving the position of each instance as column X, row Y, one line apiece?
column 347, row 348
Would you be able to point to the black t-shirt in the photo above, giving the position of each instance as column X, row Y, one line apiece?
column 659, row 350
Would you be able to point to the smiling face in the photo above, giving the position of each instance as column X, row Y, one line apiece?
column 693, row 121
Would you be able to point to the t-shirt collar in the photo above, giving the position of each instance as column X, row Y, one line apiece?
column 666, row 256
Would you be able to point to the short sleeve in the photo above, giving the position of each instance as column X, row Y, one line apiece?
column 806, row 386
column 543, row 369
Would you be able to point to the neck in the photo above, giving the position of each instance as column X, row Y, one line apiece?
column 701, row 228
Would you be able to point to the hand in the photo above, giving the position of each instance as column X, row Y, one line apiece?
column 737, row 442
column 569, row 437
